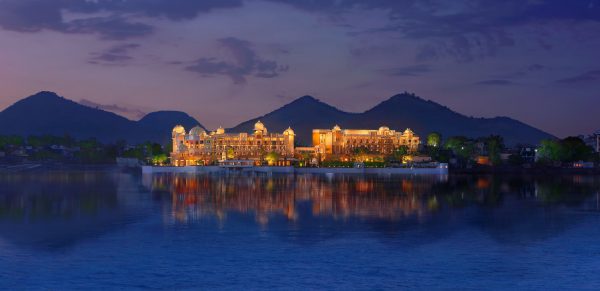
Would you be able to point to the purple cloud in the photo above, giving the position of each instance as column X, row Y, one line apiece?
column 37, row 15
column 495, row 82
column 409, row 71
column 588, row 76
column 244, row 63
column 115, row 55
column 134, row 113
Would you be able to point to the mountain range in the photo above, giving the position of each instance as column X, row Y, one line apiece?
column 398, row 112
column 48, row 113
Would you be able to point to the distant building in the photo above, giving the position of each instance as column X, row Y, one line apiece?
column 339, row 141
column 527, row 153
column 584, row 165
column 197, row 147
column 592, row 140
column 597, row 141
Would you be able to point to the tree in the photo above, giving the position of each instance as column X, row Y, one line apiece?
column 168, row 148
column 570, row 149
column 549, row 151
column 400, row 153
column 305, row 157
column 230, row 154
column 515, row 159
column 574, row 149
column 156, row 149
column 272, row 158
column 460, row 146
column 360, row 154
column 10, row 140
column 495, row 145
column 434, row 139
column 159, row 159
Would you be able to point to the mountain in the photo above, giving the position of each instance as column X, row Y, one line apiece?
column 48, row 113
column 163, row 122
column 303, row 115
column 422, row 116
column 399, row 112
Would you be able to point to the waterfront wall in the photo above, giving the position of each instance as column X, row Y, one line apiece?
column 284, row 170
column 187, row 169
column 290, row 170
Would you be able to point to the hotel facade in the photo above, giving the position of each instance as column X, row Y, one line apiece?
column 384, row 141
column 197, row 147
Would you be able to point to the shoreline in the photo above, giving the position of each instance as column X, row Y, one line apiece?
column 33, row 167
column 442, row 170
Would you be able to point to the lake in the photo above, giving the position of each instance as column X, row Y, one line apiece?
column 106, row 229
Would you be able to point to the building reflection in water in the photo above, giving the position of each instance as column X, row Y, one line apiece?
column 390, row 198
column 339, row 196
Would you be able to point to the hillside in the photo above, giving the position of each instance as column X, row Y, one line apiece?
column 398, row 112
column 48, row 113
column 303, row 115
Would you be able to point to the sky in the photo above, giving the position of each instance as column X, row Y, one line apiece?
column 226, row 61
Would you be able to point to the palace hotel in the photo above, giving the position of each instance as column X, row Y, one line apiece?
column 197, row 147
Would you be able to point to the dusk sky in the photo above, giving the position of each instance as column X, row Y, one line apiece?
column 226, row 61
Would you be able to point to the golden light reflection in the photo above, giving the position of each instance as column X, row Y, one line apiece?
column 339, row 197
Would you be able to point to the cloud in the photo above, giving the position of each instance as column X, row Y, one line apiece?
column 588, row 76
column 170, row 9
column 464, row 29
column 244, row 62
column 116, row 55
column 522, row 72
column 127, row 111
column 111, row 28
column 37, row 15
column 118, row 17
column 535, row 68
column 495, row 82
column 409, row 71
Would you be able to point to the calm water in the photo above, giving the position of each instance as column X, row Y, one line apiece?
column 112, row 230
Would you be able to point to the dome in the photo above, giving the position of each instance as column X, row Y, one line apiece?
column 178, row 129
column 336, row 128
column 259, row 126
column 197, row 131
column 289, row 131
column 408, row 131
column 384, row 130
column 220, row 130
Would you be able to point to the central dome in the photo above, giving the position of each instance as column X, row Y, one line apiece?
column 197, row 131
column 259, row 126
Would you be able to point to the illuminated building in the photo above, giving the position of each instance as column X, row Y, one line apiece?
column 197, row 147
column 339, row 141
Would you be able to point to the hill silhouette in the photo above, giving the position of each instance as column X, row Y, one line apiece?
column 303, row 115
column 48, row 113
column 398, row 112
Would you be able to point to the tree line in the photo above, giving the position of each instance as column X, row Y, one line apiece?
column 46, row 148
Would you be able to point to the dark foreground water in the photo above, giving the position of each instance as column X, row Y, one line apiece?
column 112, row 230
